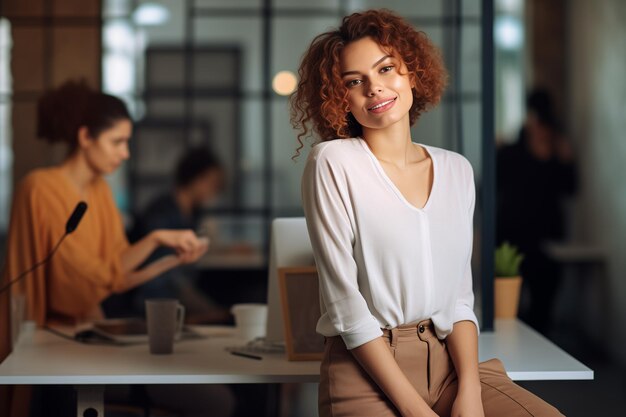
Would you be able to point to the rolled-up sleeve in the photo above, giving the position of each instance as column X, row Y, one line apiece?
column 326, row 203
column 464, row 309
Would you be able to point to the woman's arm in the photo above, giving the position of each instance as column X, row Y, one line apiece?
column 136, row 278
column 379, row 363
column 182, row 241
column 463, row 347
column 463, row 341
column 188, row 246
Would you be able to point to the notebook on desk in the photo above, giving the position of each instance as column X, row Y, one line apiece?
column 124, row 331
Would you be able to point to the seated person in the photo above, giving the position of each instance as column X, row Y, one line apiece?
column 198, row 180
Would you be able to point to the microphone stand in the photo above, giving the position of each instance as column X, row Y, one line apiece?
column 37, row 265
column 70, row 226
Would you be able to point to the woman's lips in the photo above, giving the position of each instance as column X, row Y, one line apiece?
column 382, row 106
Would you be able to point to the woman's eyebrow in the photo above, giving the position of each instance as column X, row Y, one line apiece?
column 343, row 74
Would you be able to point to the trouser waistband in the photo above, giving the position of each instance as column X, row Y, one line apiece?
column 424, row 330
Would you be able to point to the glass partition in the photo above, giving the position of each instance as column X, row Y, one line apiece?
column 205, row 68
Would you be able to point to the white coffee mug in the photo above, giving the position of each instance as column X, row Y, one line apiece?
column 250, row 319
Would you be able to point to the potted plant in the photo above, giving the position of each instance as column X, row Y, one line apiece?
column 508, row 282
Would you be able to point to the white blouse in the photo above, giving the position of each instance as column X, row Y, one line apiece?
column 383, row 262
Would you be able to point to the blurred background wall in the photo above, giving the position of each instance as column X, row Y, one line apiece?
column 596, row 92
column 50, row 42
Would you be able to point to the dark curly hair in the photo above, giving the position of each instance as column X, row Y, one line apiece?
column 62, row 111
column 319, row 104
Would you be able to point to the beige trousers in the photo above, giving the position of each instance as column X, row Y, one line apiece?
column 347, row 390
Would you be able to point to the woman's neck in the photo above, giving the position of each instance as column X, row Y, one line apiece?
column 392, row 144
column 78, row 171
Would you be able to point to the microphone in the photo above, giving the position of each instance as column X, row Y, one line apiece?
column 76, row 217
column 70, row 226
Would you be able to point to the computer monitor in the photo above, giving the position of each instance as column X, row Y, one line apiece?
column 289, row 246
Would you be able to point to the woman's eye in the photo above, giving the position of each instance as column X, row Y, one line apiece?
column 352, row 83
column 387, row 68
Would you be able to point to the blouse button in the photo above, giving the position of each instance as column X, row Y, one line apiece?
column 421, row 328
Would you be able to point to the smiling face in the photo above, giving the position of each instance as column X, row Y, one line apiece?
column 105, row 153
column 379, row 88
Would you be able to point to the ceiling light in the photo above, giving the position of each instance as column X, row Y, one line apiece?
column 284, row 83
column 151, row 14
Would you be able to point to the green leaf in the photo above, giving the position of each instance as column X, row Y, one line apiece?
column 507, row 260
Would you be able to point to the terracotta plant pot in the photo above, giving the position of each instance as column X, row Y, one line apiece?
column 506, row 296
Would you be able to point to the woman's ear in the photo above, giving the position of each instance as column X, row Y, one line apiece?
column 84, row 138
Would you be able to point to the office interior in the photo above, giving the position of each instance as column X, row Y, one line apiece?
column 219, row 73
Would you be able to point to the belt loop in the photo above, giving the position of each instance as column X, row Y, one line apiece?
column 394, row 337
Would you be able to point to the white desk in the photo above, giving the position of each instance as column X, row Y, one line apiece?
column 529, row 356
column 49, row 360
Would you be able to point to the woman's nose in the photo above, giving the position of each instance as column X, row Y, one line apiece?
column 374, row 88
column 125, row 153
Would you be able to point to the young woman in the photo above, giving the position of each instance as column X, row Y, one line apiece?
column 390, row 222
column 96, row 260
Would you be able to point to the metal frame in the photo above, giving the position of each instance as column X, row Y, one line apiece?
column 188, row 95
column 488, row 191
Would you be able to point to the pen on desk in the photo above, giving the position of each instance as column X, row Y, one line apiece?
column 245, row 355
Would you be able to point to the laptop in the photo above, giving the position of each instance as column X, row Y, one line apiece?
column 289, row 246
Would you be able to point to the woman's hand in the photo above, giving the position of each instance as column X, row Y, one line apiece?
column 192, row 256
column 468, row 403
column 187, row 245
column 421, row 411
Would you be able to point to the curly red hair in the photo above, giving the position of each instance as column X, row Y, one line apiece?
column 319, row 104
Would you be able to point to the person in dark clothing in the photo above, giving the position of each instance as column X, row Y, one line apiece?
column 534, row 176
column 198, row 180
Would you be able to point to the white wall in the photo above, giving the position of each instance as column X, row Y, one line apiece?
column 597, row 122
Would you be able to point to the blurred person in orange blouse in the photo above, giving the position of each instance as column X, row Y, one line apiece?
column 96, row 260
